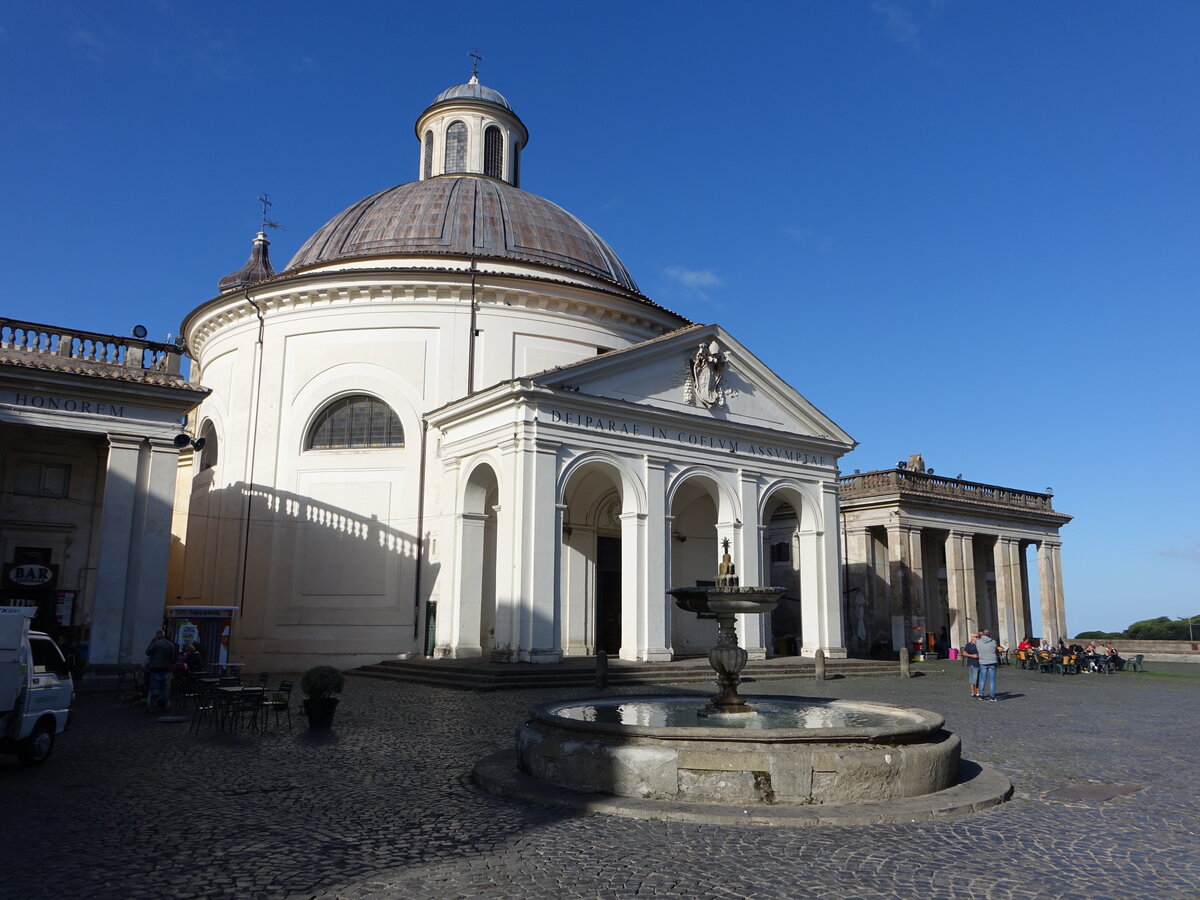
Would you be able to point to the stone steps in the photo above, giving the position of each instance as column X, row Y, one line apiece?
column 582, row 673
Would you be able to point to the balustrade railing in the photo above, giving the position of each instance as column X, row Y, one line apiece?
column 866, row 484
column 87, row 346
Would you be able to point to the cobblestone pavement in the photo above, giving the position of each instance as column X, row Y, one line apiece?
column 129, row 807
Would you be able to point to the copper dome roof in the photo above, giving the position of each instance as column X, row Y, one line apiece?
column 472, row 90
column 463, row 215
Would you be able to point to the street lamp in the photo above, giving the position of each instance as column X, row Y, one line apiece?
column 1187, row 619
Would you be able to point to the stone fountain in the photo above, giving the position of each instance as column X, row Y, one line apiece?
column 779, row 760
column 726, row 601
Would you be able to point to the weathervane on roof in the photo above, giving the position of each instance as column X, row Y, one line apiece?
column 268, row 223
column 474, row 54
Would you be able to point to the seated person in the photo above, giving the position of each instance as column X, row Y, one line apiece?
column 1025, row 645
column 192, row 658
column 1114, row 658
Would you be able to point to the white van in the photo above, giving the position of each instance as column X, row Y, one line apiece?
column 36, row 689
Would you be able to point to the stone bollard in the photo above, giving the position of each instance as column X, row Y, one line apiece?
column 819, row 665
column 601, row 669
column 904, row 673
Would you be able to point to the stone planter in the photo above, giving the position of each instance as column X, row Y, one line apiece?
column 320, row 711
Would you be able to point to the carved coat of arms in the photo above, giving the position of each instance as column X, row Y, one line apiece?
column 704, row 378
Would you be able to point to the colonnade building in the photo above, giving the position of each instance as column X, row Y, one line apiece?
column 931, row 555
column 88, row 467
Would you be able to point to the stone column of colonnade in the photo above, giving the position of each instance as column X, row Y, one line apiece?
column 904, row 576
column 961, row 586
column 1010, row 600
column 1050, row 590
column 135, row 532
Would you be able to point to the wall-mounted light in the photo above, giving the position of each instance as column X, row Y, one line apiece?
column 682, row 538
column 183, row 440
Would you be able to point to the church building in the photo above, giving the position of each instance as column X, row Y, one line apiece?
column 453, row 425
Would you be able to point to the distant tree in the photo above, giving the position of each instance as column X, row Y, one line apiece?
column 1163, row 628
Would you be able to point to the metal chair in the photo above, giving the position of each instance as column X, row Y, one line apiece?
column 244, row 709
column 279, row 700
column 1134, row 663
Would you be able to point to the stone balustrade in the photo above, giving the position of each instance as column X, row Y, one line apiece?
column 891, row 481
column 89, row 347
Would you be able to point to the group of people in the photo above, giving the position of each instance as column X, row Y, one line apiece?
column 983, row 657
column 164, row 660
column 1090, row 657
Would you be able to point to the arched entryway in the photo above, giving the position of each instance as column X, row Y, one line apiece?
column 601, row 533
column 781, row 567
column 701, row 515
column 795, row 557
column 476, row 607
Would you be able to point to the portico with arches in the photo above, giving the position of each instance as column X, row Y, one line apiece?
column 621, row 486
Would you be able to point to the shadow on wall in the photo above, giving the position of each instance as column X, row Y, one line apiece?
column 314, row 581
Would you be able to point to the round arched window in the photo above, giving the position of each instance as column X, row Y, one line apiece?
column 355, row 423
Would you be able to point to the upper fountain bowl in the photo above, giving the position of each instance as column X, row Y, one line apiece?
column 727, row 600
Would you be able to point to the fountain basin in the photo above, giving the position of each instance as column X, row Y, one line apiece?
column 788, row 751
column 727, row 600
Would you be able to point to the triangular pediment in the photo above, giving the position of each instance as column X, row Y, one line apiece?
column 727, row 383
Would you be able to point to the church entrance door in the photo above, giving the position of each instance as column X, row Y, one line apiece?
column 608, row 595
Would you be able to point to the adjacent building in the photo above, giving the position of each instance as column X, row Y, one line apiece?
column 88, row 459
column 931, row 556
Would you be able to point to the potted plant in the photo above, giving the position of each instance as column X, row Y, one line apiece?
column 321, row 684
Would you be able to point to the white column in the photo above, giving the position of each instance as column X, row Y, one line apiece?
column 538, row 540
column 832, row 633
column 656, row 572
column 506, row 637
column 634, row 611
column 109, row 608
column 135, row 539
column 541, row 559
column 464, row 610
column 746, row 548
column 575, row 578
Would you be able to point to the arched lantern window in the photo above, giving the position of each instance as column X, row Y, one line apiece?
column 359, row 422
column 456, row 147
column 493, row 152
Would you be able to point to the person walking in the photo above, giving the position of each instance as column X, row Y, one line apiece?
column 971, row 652
column 989, row 659
column 160, row 656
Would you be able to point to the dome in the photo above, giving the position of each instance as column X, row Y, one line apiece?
column 472, row 90
column 463, row 216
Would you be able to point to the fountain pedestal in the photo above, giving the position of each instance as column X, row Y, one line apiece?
column 726, row 601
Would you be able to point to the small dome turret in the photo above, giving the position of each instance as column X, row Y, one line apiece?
column 470, row 129
column 257, row 267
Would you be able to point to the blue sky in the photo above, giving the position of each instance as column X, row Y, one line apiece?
column 968, row 229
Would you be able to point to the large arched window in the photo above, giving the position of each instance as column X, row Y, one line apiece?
column 493, row 152
column 456, row 147
column 428, row 154
column 355, row 423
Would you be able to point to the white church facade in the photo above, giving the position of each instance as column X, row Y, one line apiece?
column 452, row 425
